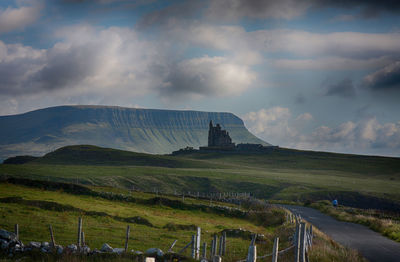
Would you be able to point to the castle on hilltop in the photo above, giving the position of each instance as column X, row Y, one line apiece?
column 219, row 140
column 218, row 137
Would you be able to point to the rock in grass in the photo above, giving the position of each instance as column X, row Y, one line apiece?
column 72, row 248
column 9, row 236
column 118, row 250
column 59, row 249
column 34, row 244
column 106, row 248
column 3, row 244
column 154, row 252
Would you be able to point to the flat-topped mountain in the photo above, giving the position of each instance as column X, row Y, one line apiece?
column 140, row 130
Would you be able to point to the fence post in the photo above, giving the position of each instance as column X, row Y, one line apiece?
column 198, row 242
column 172, row 246
column 53, row 242
column 221, row 242
column 204, row 254
column 83, row 238
column 128, row 228
column 303, row 242
column 297, row 243
column 79, row 232
column 16, row 230
column 193, row 246
column 252, row 254
column 224, row 243
column 215, row 245
column 275, row 250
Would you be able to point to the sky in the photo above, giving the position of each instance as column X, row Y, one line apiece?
column 317, row 75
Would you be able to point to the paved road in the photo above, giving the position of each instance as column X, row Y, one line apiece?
column 371, row 245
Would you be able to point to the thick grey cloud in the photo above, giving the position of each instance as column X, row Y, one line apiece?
column 207, row 76
column 173, row 14
column 344, row 88
column 20, row 17
column 116, row 61
column 289, row 9
column 230, row 10
column 236, row 9
column 85, row 59
column 385, row 78
column 369, row 8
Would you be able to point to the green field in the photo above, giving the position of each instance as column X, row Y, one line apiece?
column 34, row 208
column 281, row 175
column 30, row 195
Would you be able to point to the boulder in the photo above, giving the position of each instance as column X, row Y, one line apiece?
column 45, row 244
column 3, row 244
column 118, row 250
column 59, row 249
column 45, row 250
column 72, row 248
column 154, row 252
column 85, row 249
column 106, row 248
column 4, row 234
column 34, row 244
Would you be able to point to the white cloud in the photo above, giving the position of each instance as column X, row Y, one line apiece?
column 310, row 51
column 273, row 124
column 20, row 17
column 116, row 61
column 208, row 75
column 366, row 136
column 332, row 63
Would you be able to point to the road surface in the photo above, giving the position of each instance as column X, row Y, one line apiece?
column 373, row 246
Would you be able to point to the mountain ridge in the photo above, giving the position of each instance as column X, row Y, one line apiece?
column 135, row 129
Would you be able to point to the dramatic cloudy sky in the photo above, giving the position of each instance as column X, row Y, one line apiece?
column 309, row 74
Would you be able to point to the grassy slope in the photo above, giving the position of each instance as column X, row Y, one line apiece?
column 33, row 221
column 285, row 174
column 98, row 156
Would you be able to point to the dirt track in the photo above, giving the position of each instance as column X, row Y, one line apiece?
column 371, row 245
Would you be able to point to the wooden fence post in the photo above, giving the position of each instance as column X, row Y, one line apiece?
column 252, row 254
column 303, row 242
column 224, row 244
column 204, row 254
column 297, row 243
column 193, row 246
column 16, row 230
column 53, row 242
column 128, row 228
column 221, row 239
column 212, row 248
column 172, row 246
column 79, row 232
column 275, row 250
column 198, row 242
column 83, row 238
column 215, row 245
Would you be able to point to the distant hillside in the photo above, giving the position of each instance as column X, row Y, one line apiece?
column 93, row 155
column 140, row 130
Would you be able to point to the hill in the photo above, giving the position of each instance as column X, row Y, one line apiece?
column 94, row 155
column 140, row 130
column 282, row 174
